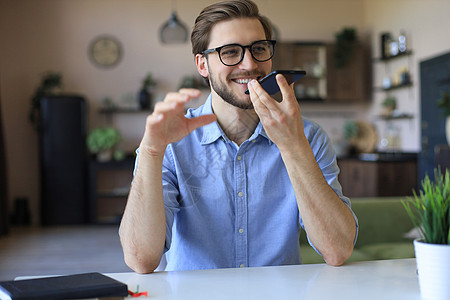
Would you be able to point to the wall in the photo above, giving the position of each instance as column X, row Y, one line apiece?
column 38, row 36
column 426, row 24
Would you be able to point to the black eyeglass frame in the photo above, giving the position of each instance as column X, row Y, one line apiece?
column 273, row 42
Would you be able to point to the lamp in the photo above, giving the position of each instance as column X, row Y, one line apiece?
column 173, row 31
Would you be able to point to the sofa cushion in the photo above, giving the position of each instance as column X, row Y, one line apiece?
column 383, row 224
column 389, row 250
column 381, row 220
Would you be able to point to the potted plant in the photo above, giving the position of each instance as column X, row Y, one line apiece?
column 145, row 94
column 50, row 83
column 101, row 141
column 345, row 43
column 389, row 104
column 430, row 213
column 444, row 103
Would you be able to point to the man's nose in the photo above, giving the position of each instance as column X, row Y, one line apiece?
column 248, row 62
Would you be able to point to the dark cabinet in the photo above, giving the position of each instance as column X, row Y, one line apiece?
column 109, row 187
column 361, row 178
column 351, row 83
column 63, row 158
column 323, row 81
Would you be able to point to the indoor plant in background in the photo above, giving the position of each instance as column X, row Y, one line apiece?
column 145, row 94
column 51, row 82
column 444, row 103
column 389, row 105
column 102, row 140
column 346, row 40
column 430, row 213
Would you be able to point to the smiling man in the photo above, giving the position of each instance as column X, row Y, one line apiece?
column 241, row 174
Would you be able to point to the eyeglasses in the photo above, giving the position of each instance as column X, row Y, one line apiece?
column 232, row 54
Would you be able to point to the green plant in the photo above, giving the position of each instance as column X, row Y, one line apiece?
column 50, row 81
column 389, row 102
column 351, row 130
column 101, row 139
column 444, row 103
column 148, row 82
column 430, row 210
column 345, row 42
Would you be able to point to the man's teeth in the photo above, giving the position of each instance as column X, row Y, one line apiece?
column 243, row 81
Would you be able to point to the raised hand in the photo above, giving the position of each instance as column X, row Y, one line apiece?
column 282, row 121
column 167, row 123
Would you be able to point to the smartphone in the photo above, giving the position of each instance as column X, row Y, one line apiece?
column 270, row 84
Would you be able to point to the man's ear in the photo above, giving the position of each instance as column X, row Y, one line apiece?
column 202, row 65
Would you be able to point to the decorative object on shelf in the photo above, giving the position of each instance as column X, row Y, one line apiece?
column 51, row 83
column 391, row 142
column 389, row 104
column 384, row 42
column 105, row 51
column 402, row 42
column 444, row 103
column 102, row 140
column 402, row 77
column 361, row 135
column 145, row 94
column 173, row 31
column 345, row 42
column 108, row 104
column 430, row 213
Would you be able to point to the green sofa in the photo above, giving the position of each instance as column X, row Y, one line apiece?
column 383, row 223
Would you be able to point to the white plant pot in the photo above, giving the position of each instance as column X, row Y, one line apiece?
column 447, row 129
column 433, row 266
column 104, row 156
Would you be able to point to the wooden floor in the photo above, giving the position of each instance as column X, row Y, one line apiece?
column 60, row 251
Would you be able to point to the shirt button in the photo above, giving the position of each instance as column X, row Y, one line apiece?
column 241, row 266
column 239, row 157
column 240, row 194
column 241, row 230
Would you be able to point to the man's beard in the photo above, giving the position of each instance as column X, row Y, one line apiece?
column 227, row 94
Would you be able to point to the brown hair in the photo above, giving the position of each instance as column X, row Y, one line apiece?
column 223, row 11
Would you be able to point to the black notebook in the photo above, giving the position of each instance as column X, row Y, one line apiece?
column 88, row 285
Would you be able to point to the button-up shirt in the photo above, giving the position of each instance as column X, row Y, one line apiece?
column 234, row 206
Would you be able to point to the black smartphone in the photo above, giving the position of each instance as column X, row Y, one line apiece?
column 270, row 84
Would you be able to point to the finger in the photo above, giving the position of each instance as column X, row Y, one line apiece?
column 164, row 107
column 194, row 93
column 261, row 110
column 176, row 97
column 262, row 95
column 200, row 121
column 287, row 90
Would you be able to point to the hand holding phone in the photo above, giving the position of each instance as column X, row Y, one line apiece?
column 270, row 84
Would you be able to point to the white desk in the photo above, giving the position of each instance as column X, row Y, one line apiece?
column 388, row 279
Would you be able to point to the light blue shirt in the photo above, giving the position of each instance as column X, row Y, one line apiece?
column 234, row 206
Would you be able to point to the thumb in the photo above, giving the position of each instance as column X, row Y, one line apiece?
column 200, row 121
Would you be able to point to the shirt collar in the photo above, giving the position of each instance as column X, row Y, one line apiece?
column 212, row 131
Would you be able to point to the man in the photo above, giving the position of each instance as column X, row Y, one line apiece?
column 242, row 173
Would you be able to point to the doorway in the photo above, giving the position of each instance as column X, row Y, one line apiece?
column 434, row 79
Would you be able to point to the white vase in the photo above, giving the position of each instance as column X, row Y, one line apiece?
column 447, row 129
column 105, row 155
column 433, row 267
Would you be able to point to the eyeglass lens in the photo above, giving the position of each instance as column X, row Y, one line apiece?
column 233, row 54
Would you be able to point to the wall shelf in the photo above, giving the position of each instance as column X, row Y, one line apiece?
column 403, row 116
column 389, row 58
column 396, row 87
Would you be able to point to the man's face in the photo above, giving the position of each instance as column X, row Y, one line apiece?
column 230, row 83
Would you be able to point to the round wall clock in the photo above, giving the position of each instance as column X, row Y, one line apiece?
column 105, row 51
